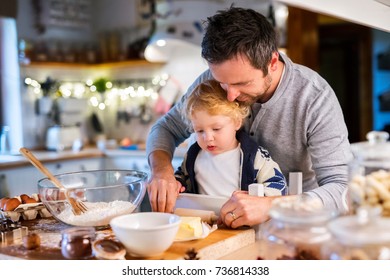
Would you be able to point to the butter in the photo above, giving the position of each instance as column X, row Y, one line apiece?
column 190, row 227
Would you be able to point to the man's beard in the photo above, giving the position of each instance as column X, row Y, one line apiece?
column 260, row 96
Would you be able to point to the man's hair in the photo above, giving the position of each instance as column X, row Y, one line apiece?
column 239, row 31
column 211, row 97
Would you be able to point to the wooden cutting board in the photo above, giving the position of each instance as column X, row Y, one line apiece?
column 216, row 245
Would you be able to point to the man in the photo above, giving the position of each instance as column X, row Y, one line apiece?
column 295, row 115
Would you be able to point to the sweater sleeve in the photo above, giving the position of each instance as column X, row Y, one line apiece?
column 269, row 174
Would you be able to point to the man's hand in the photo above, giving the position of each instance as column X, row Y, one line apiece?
column 245, row 210
column 163, row 188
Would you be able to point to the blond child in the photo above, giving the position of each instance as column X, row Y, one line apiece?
column 224, row 159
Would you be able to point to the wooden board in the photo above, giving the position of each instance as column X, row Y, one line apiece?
column 218, row 244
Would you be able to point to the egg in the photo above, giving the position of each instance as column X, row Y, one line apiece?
column 24, row 197
column 2, row 202
column 36, row 196
column 30, row 200
column 11, row 204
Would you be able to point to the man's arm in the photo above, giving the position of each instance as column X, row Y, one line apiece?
column 166, row 134
column 163, row 188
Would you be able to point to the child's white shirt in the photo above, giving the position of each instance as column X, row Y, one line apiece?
column 218, row 175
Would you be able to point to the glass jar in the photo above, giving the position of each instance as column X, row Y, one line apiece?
column 358, row 237
column 369, row 174
column 76, row 242
column 297, row 229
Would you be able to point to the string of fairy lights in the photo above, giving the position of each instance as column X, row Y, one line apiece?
column 102, row 92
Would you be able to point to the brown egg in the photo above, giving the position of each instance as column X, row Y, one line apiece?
column 36, row 196
column 24, row 197
column 11, row 204
column 2, row 202
column 30, row 200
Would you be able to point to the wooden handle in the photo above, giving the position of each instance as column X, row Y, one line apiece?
column 29, row 155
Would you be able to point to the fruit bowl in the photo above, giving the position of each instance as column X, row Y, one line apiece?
column 106, row 193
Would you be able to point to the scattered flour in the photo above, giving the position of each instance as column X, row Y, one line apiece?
column 98, row 214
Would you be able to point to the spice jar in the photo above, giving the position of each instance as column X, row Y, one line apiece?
column 359, row 237
column 297, row 229
column 369, row 174
column 76, row 242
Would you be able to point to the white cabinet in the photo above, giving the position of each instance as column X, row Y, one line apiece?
column 134, row 162
column 66, row 166
column 139, row 163
column 19, row 180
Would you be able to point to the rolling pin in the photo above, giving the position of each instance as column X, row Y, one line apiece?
column 205, row 215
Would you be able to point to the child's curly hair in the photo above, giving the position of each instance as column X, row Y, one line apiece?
column 211, row 97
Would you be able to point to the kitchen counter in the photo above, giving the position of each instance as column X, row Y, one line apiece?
column 220, row 244
column 11, row 161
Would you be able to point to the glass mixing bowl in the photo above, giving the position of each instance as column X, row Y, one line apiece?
column 106, row 193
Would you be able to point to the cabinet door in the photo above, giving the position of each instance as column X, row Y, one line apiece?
column 66, row 166
column 17, row 181
column 139, row 163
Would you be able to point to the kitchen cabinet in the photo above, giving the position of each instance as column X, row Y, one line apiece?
column 19, row 180
column 136, row 162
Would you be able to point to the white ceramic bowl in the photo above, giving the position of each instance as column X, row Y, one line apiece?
column 146, row 234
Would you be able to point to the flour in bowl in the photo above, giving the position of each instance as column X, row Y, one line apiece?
column 98, row 214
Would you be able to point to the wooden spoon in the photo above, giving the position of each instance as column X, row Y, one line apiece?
column 78, row 207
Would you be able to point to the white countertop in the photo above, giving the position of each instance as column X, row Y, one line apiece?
column 10, row 161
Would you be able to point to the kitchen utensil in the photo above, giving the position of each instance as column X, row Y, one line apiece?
column 200, row 202
column 106, row 193
column 78, row 207
column 146, row 234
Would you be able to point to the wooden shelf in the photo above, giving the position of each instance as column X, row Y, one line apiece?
column 127, row 63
